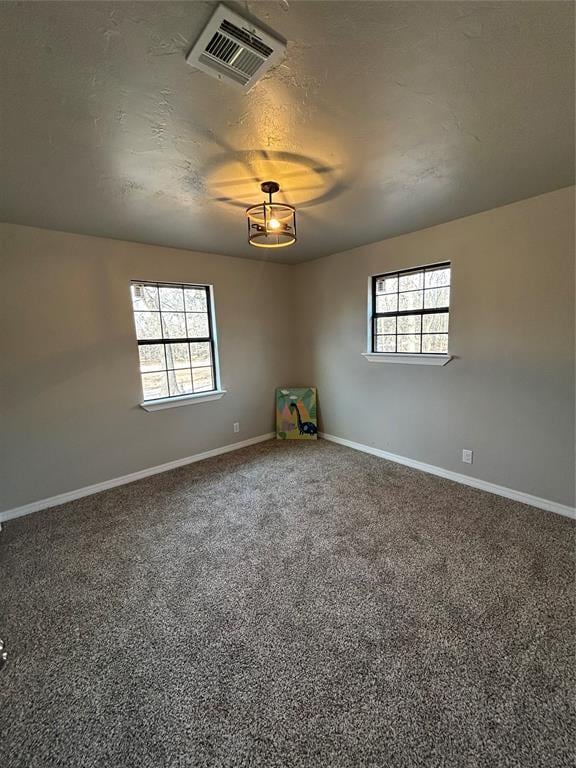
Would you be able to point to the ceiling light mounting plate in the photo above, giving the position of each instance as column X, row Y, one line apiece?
column 270, row 187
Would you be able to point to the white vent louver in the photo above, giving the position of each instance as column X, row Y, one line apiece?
column 232, row 49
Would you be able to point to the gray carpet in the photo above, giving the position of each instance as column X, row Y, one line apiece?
column 288, row 605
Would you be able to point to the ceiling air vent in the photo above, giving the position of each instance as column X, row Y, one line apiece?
column 233, row 49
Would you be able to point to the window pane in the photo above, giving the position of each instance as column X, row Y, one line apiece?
column 174, row 325
column 385, row 344
column 202, row 379
column 195, row 299
column 437, row 342
column 144, row 297
column 154, row 385
column 385, row 325
column 387, row 285
column 174, row 317
column 200, row 353
column 435, row 323
column 437, row 277
column 411, row 282
column 197, row 325
column 409, row 324
column 180, row 382
column 437, row 297
column 171, row 299
column 151, row 357
column 147, row 325
column 387, row 302
column 409, row 343
column 177, row 356
column 412, row 300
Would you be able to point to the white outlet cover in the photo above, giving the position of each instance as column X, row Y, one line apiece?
column 467, row 456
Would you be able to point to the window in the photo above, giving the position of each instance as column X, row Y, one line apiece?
column 175, row 332
column 410, row 311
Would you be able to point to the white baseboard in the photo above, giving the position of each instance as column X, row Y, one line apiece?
column 88, row 490
column 483, row 485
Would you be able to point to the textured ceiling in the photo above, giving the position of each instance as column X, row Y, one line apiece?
column 383, row 118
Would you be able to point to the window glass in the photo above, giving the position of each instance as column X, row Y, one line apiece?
column 174, row 330
column 410, row 311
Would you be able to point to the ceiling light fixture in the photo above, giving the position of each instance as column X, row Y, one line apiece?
column 271, row 225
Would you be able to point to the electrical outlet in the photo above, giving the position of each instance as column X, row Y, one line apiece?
column 467, row 456
column 236, row 426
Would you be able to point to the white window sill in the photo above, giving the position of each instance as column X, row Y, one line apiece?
column 176, row 402
column 400, row 357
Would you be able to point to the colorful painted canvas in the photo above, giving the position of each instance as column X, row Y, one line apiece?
column 296, row 414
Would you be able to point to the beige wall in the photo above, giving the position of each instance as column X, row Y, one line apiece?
column 71, row 387
column 509, row 395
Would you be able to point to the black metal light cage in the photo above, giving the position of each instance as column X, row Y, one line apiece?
column 270, row 224
column 399, row 313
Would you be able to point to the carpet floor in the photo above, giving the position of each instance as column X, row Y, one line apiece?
column 290, row 604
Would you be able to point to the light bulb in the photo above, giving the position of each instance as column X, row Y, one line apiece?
column 274, row 224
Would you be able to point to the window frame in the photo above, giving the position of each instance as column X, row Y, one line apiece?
column 169, row 400
column 373, row 315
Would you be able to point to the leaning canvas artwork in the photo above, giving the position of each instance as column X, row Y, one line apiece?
column 296, row 414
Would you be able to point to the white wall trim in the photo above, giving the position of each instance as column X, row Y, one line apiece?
column 407, row 359
column 88, row 490
column 483, row 485
column 176, row 402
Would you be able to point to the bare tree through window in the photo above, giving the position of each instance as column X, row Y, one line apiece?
column 410, row 311
column 174, row 328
